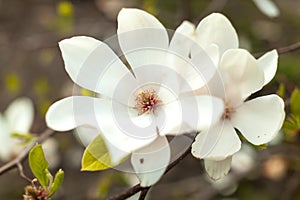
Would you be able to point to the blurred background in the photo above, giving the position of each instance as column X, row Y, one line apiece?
column 31, row 65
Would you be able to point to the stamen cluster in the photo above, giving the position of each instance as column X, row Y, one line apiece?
column 147, row 101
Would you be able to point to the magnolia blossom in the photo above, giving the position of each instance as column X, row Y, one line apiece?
column 239, row 75
column 267, row 7
column 17, row 118
column 140, row 102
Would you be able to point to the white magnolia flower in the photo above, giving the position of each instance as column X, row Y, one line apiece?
column 240, row 75
column 139, row 106
column 17, row 118
column 267, row 7
column 242, row 163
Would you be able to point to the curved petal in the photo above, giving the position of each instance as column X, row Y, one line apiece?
column 217, row 143
column 142, row 38
column 217, row 29
column 110, row 118
column 178, row 57
column 196, row 68
column 189, row 113
column 93, row 65
column 268, row 62
column 150, row 162
column 217, row 169
column 85, row 135
column 260, row 119
column 71, row 112
column 241, row 72
column 19, row 115
column 183, row 39
column 201, row 111
column 267, row 7
column 6, row 140
column 169, row 119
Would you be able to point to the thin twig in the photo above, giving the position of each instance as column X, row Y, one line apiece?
column 137, row 188
column 23, row 155
column 282, row 50
column 21, row 172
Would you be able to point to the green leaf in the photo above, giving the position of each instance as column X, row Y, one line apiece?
column 260, row 147
column 96, row 156
column 291, row 127
column 25, row 138
column 39, row 165
column 281, row 90
column 13, row 83
column 59, row 177
column 65, row 8
column 295, row 99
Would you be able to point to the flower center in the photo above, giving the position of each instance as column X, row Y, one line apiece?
column 147, row 101
column 227, row 113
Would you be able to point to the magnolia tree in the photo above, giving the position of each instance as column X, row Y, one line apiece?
column 156, row 96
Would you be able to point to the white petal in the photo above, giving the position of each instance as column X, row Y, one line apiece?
column 260, row 119
column 123, row 129
column 217, row 169
column 93, row 65
column 169, row 119
column 191, row 75
column 6, row 140
column 217, row 29
column 205, row 62
column 178, row 57
column 71, row 112
column 208, row 109
column 151, row 161
column 142, row 38
column 192, row 71
column 182, row 39
column 213, row 52
column 189, row 113
column 85, row 135
column 267, row 7
column 217, row 143
column 268, row 62
column 112, row 119
column 241, row 71
column 19, row 115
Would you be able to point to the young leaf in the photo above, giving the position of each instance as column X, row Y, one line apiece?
column 281, row 90
column 96, row 156
column 25, row 138
column 291, row 127
column 295, row 99
column 39, row 165
column 58, row 179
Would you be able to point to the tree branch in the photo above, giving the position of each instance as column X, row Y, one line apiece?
column 23, row 155
column 282, row 50
column 137, row 188
column 144, row 193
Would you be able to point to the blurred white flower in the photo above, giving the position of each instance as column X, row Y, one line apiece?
column 16, row 119
column 242, row 163
column 240, row 75
column 140, row 106
column 267, row 7
column 50, row 147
